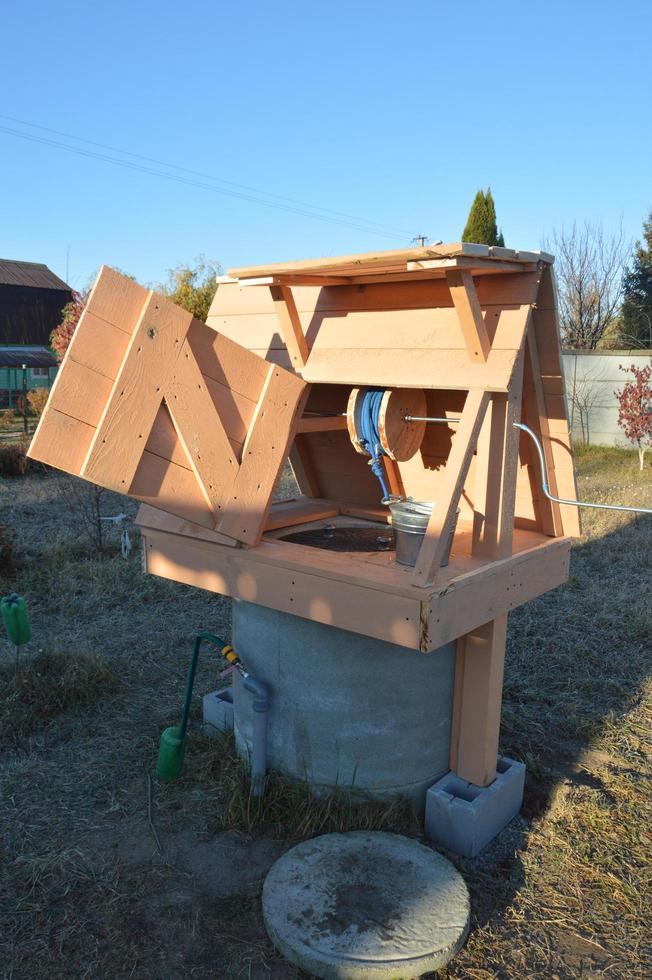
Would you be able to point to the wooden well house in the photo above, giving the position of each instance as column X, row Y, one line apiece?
column 198, row 420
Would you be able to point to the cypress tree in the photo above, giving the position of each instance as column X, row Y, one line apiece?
column 636, row 321
column 481, row 226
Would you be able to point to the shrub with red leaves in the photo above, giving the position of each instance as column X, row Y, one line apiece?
column 635, row 408
column 62, row 335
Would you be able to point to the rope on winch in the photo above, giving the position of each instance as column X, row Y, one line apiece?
column 369, row 436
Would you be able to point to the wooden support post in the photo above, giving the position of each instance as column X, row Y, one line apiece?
column 537, row 418
column 467, row 305
column 291, row 329
column 442, row 518
column 481, row 654
column 497, row 465
column 479, row 668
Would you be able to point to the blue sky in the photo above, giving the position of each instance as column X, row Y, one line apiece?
column 392, row 113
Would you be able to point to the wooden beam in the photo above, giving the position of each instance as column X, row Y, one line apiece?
column 466, row 302
column 294, row 280
column 496, row 471
column 410, row 368
column 136, row 395
column 442, row 519
column 266, row 447
column 200, row 431
column 537, row 415
column 291, row 329
column 479, row 669
column 301, row 510
column 321, row 423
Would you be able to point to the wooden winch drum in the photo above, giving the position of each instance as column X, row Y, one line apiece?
column 399, row 439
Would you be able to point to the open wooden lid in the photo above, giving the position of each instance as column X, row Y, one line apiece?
column 151, row 402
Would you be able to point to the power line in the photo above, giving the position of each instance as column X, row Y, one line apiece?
column 292, row 206
column 198, row 173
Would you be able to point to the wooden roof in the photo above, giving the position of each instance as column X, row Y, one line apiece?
column 34, row 274
column 402, row 263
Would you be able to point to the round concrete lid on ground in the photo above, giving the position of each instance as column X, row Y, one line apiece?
column 363, row 905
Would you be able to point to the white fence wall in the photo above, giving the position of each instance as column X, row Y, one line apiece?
column 592, row 378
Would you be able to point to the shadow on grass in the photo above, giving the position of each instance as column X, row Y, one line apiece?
column 577, row 660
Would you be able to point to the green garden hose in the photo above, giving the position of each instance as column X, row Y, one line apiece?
column 172, row 748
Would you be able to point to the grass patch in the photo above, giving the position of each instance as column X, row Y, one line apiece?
column 48, row 686
column 288, row 810
column 84, row 891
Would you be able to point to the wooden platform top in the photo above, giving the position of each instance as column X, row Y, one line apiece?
column 400, row 263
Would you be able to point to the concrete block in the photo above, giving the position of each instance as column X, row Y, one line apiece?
column 463, row 818
column 218, row 709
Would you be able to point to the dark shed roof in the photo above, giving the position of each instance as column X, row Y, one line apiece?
column 31, row 300
column 29, row 356
column 14, row 273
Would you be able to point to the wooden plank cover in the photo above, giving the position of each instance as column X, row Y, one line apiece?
column 152, row 402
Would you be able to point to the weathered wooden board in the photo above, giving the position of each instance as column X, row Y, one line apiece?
column 151, row 402
column 350, row 594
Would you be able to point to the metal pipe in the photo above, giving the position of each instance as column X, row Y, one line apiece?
column 560, row 500
column 260, row 693
column 544, row 470
column 429, row 418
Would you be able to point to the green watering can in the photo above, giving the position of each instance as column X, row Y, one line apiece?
column 14, row 615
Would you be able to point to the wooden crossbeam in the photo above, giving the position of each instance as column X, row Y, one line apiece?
column 291, row 329
column 466, row 302
column 442, row 519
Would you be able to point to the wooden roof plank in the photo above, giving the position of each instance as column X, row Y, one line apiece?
column 396, row 260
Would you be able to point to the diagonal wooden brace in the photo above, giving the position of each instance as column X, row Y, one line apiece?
column 291, row 329
column 466, row 303
column 442, row 519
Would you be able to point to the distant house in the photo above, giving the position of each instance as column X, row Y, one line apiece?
column 31, row 300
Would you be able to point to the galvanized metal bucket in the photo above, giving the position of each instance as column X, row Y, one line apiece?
column 409, row 521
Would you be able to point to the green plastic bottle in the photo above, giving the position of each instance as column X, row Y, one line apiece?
column 16, row 619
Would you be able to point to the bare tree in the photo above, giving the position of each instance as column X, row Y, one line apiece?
column 589, row 266
column 85, row 502
column 583, row 396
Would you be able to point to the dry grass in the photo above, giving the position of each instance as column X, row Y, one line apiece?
column 84, row 891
